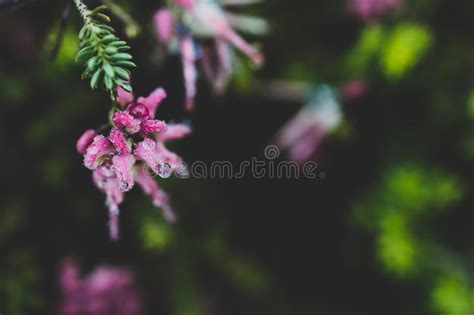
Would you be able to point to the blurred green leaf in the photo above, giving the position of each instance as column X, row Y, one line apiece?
column 404, row 47
column 452, row 295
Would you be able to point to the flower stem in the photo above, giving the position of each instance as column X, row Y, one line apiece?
column 83, row 11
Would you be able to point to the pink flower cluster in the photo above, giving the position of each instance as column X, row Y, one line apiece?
column 106, row 291
column 369, row 10
column 179, row 26
column 132, row 151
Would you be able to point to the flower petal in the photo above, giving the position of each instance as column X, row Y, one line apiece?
column 85, row 140
column 69, row 276
column 152, row 126
column 146, row 151
column 174, row 131
column 126, row 121
column 139, row 111
column 119, row 141
column 153, row 100
column 188, row 59
column 164, row 25
column 187, row 4
column 225, row 31
column 99, row 148
column 158, row 197
column 122, row 166
column 115, row 196
column 168, row 157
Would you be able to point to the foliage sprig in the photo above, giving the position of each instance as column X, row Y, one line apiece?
column 104, row 54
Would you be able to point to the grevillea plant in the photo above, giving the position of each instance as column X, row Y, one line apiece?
column 131, row 147
column 202, row 30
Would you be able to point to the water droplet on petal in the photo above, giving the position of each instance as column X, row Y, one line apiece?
column 149, row 144
column 165, row 170
column 93, row 150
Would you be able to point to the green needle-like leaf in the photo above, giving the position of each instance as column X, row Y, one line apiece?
column 103, row 52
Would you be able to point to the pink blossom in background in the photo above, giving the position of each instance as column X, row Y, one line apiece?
column 105, row 291
column 368, row 10
column 354, row 89
column 302, row 135
column 201, row 30
column 164, row 25
column 217, row 65
column 187, row 4
column 117, row 159
column 188, row 58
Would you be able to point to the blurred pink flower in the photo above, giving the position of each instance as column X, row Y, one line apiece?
column 301, row 136
column 187, row 4
column 188, row 59
column 354, row 89
column 369, row 10
column 201, row 30
column 106, row 291
column 164, row 25
column 116, row 159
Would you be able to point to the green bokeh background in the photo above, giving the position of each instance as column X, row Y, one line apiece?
column 389, row 230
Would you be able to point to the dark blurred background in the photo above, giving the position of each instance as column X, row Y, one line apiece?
column 388, row 229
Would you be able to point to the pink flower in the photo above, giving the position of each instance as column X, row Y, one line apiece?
column 188, row 58
column 107, row 290
column 114, row 197
column 174, row 131
column 117, row 138
column 187, row 4
column 116, row 159
column 146, row 151
column 354, row 89
column 99, row 149
column 69, row 276
column 122, row 165
column 217, row 69
column 139, row 111
column 85, row 140
column 168, row 157
column 164, row 25
column 152, row 126
column 204, row 26
column 153, row 100
column 302, row 135
column 126, row 121
column 369, row 10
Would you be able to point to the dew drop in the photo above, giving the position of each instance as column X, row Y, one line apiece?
column 93, row 150
column 165, row 170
